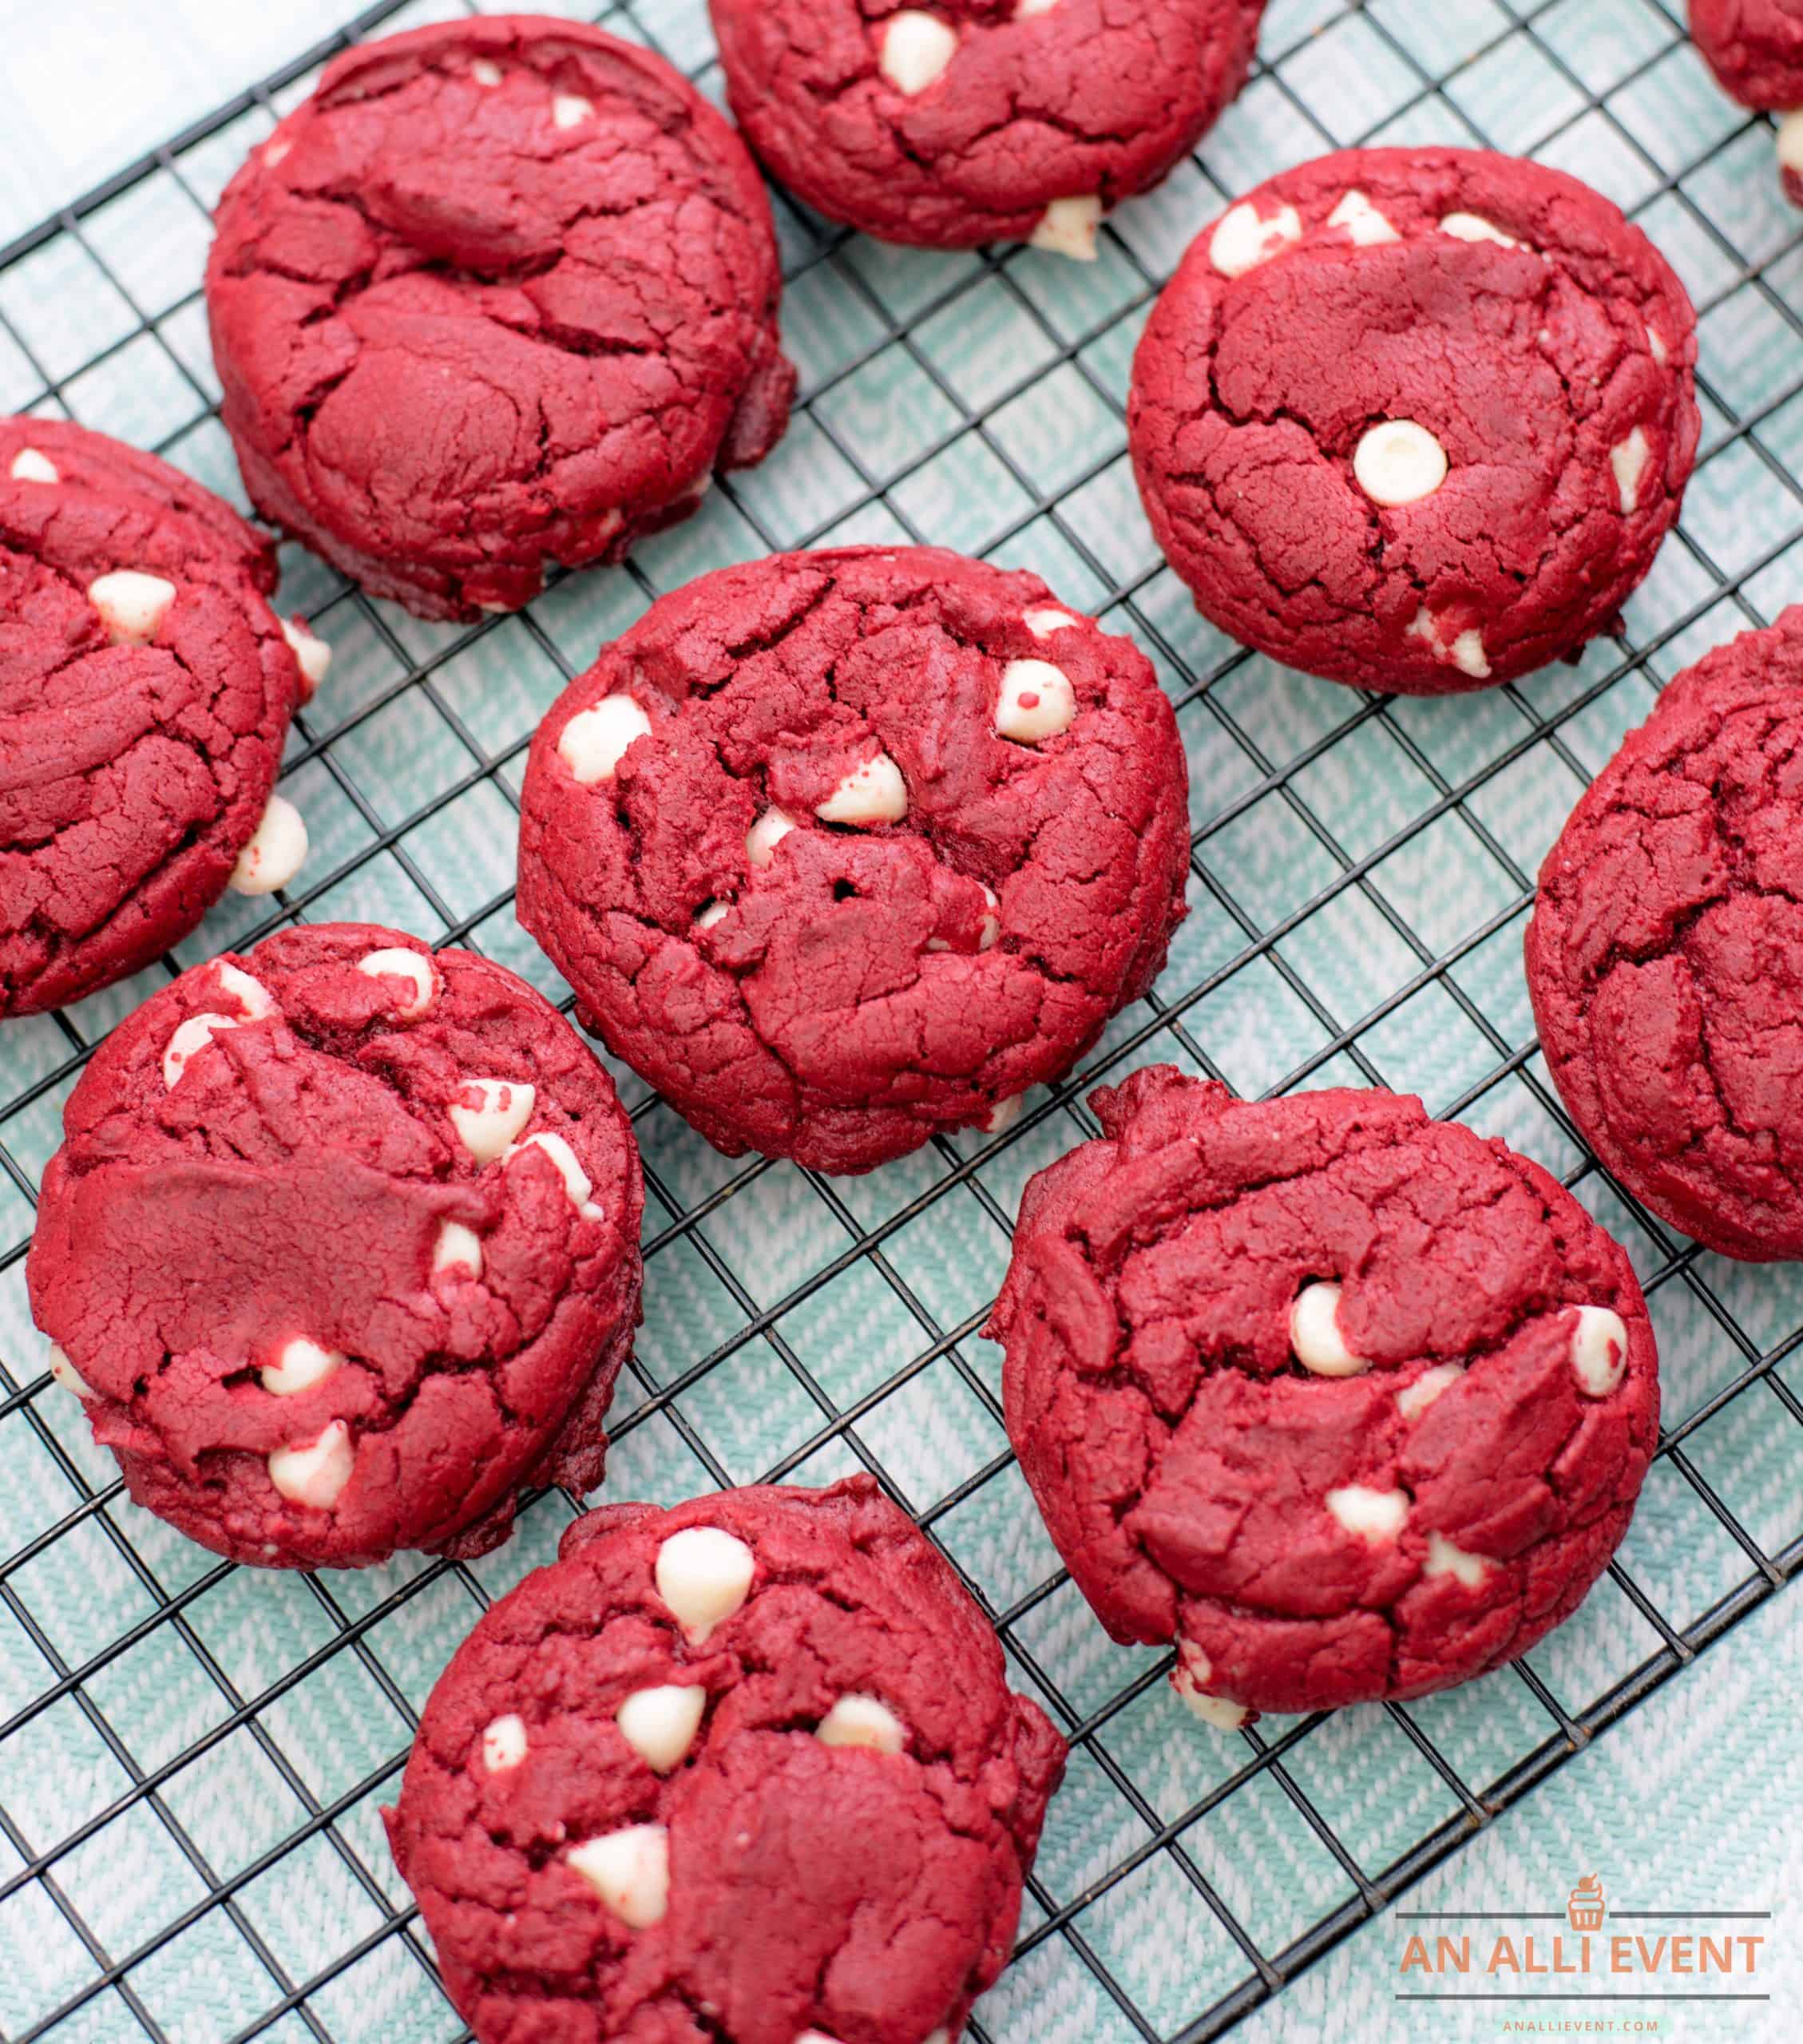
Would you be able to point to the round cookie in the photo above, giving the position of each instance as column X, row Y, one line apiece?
column 501, row 292
column 1755, row 49
column 145, row 690
column 1416, row 419
column 967, row 121
column 341, row 1250
column 840, row 850
column 1347, row 1403
column 748, row 1772
column 1664, row 957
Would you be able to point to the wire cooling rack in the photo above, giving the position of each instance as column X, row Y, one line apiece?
column 192, row 1756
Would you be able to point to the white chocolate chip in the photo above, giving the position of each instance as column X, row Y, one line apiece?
column 251, row 994
column 1036, row 702
column 193, row 1035
column 1599, row 1350
column 1187, row 1678
column 484, row 72
column 1242, row 240
column 67, row 1375
column 1629, row 461
column 504, row 1744
column 132, row 606
column 276, row 152
column 873, row 793
column 1444, row 1558
column 1042, row 623
column 712, row 913
column 1362, row 220
column 504, row 1107
column 414, row 967
column 315, row 1474
column 1469, row 657
column 1025, row 11
column 1004, row 1115
column 1473, row 227
column 571, row 110
column 659, row 1724
column 1466, row 651
column 861, row 1721
column 1374, row 1515
column 1399, row 462
column 29, row 465
column 457, row 1248
column 1220, row 1712
column 1068, row 228
column 917, row 47
column 815, row 2037
column 594, row 741
column 1657, row 347
column 704, row 1575
column 766, row 834
column 301, row 1365
column 630, row 1871
column 577, row 1181
column 989, row 931
column 314, row 654
column 1315, row 1336
column 1791, row 140
column 1413, row 1399
column 276, row 853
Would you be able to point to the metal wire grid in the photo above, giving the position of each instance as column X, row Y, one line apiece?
column 1136, row 1828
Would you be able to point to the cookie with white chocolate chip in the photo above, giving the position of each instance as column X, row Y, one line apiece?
column 146, row 688
column 964, row 121
column 841, row 850
column 744, row 1770
column 1417, row 419
column 1755, row 49
column 340, row 1250
column 1345, row 1402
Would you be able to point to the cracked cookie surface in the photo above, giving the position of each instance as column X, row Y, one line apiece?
column 1416, row 419
column 1664, row 957
column 746, row 1771
column 500, row 293
column 1348, row 1402
column 340, row 1250
column 967, row 121
column 146, row 687
column 1755, row 49
column 841, row 848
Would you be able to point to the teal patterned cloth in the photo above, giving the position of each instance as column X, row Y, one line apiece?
column 191, row 1758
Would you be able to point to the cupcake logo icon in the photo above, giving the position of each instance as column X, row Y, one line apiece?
column 1584, row 1904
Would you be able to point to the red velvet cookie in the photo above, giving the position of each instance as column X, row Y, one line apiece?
column 501, row 292
column 841, row 848
column 748, row 1772
column 341, row 1250
column 975, row 120
column 1664, row 957
column 1347, row 1403
column 1416, row 419
column 145, row 691
column 1755, row 49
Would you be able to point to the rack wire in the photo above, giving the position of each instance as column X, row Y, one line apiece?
column 191, row 1756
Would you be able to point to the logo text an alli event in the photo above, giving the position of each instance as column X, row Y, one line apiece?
column 1587, row 1951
